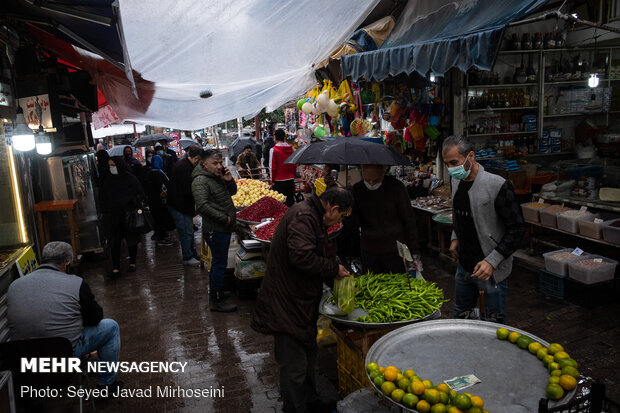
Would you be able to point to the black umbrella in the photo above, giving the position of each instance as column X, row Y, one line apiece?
column 347, row 151
column 238, row 144
column 150, row 140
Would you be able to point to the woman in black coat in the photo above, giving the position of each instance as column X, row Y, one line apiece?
column 120, row 193
column 157, row 184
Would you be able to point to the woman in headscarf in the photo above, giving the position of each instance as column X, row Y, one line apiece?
column 121, row 192
column 157, row 183
column 103, row 169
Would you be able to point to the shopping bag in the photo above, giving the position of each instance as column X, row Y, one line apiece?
column 344, row 294
column 139, row 219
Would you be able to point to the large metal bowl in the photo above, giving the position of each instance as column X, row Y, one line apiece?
column 513, row 379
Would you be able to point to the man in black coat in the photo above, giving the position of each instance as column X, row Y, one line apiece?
column 181, row 203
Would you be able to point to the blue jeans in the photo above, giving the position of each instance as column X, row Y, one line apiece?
column 185, row 229
column 467, row 290
column 105, row 337
column 219, row 243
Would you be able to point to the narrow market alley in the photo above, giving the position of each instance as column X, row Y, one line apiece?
column 163, row 313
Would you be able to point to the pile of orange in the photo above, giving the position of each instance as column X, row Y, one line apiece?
column 562, row 368
column 412, row 392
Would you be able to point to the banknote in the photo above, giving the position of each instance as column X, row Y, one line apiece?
column 462, row 382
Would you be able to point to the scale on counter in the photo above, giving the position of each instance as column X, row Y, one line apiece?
column 246, row 255
column 251, row 244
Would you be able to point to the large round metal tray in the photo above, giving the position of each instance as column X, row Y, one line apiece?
column 513, row 379
column 444, row 217
column 246, row 222
column 333, row 312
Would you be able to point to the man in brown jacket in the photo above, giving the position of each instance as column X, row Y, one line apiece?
column 288, row 302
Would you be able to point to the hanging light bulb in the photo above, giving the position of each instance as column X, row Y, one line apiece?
column 43, row 142
column 432, row 77
column 23, row 139
column 593, row 80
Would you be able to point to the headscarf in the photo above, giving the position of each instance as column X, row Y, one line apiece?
column 157, row 164
column 121, row 166
column 102, row 163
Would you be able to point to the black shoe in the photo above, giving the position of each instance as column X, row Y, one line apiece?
column 217, row 303
column 112, row 388
column 132, row 268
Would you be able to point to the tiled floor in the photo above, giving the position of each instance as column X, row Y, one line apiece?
column 163, row 313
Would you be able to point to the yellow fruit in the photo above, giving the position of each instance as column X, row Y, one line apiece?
column 443, row 387
column 541, row 353
column 454, row 409
column 554, row 391
column 388, row 387
column 428, row 384
column 439, row 408
column 431, row 396
column 399, row 376
column 403, row 383
column 571, row 371
column 423, row 406
column 554, row 380
column 418, row 388
column 502, row 333
column 523, row 342
column 476, row 401
column 409, row 373
column 474, row 410
column 554, row 348
column 462, row 401
column 567, row 382
column 390, row 374
column 444, row 397
column 397, row 395
column 410, row 400
column 548, row 359
column 568, row 362
column 534, row 347
column 556, row 373
column 372, row 366
column 553, row 366
column 560, row 355
column 513, row 337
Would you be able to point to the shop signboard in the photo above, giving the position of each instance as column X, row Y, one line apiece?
column 29, row 106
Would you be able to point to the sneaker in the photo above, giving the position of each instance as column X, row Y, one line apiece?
column 112, row 388
column 192, row 261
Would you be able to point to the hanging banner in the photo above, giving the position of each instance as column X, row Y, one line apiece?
column 105, row 116
column 31, row 105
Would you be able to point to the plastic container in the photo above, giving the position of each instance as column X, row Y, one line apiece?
column 548, row 216
column 551, row 284
column 560, row 266
column 591, row 275
column 531, row 211
column 611, row 233
column 589, row 228
column 569, row 220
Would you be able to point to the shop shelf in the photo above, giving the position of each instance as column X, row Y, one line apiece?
column 479, row 135
column 589, row 228
column 502, row 109
column 551, row 284
column 592, row 275
column 532, row 213
column 559, row 267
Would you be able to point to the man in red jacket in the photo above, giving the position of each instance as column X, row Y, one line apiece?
column 282, row 175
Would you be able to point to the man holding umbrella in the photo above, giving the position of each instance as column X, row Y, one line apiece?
column 383, row 212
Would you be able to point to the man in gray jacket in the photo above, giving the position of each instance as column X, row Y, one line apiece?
column 50, row 302
column 488, row 227
column 213, row 187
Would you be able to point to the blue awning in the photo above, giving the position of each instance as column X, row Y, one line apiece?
column 436, row 35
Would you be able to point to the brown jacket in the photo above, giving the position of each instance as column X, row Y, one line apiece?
column 298, row 264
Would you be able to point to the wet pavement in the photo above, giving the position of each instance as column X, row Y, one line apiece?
column 163, row 313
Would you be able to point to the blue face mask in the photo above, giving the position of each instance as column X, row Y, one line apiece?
column 459, row 172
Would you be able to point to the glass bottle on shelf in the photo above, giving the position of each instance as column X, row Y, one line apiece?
column 516, row 43
column 549, row 41
column 526, row 42
column 538, row 41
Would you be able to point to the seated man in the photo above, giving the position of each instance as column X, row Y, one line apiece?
column 50, row 302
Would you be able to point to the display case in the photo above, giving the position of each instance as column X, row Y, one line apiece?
column 72, row 177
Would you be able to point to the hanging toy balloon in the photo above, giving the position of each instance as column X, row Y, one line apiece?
column 319, row 131
column 307, row 108
column 300, row 103
column 323, row 99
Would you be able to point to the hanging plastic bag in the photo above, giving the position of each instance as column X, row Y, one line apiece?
column 344, row 294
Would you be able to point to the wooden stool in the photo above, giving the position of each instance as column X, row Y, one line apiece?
column 69, row 205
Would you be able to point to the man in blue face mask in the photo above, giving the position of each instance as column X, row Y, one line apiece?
column 488, row 227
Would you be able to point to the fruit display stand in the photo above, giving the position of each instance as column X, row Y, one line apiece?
column 511, row 379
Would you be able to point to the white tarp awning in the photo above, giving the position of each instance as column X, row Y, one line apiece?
column 250, row 54
column 113, row 130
